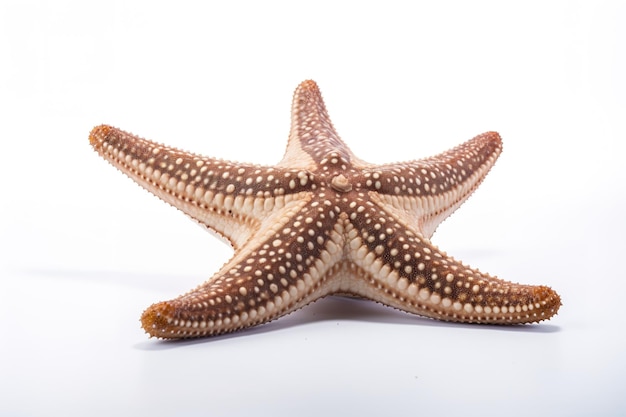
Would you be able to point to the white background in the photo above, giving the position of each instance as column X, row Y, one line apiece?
column 83, row 250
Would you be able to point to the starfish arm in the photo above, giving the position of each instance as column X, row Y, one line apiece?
column 432, row 188
column 403, row 269
column 290, row 263
column 226, row 197
column 313, row 138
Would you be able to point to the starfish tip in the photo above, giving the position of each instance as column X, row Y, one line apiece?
column 157, row 318
column 98, row 134
column 308, row 87
column 309, row 84
column 550, row 300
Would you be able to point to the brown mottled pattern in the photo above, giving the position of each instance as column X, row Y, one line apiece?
column 323, row 222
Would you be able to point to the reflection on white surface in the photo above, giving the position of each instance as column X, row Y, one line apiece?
column 84, row 251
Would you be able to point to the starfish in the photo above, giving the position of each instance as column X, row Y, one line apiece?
column 322, row 222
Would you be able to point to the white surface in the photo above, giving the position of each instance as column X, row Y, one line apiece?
column 84, row 250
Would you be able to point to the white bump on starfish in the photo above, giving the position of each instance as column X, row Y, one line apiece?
column 323, row 222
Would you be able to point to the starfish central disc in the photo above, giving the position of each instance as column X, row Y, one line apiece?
column 341, row 184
